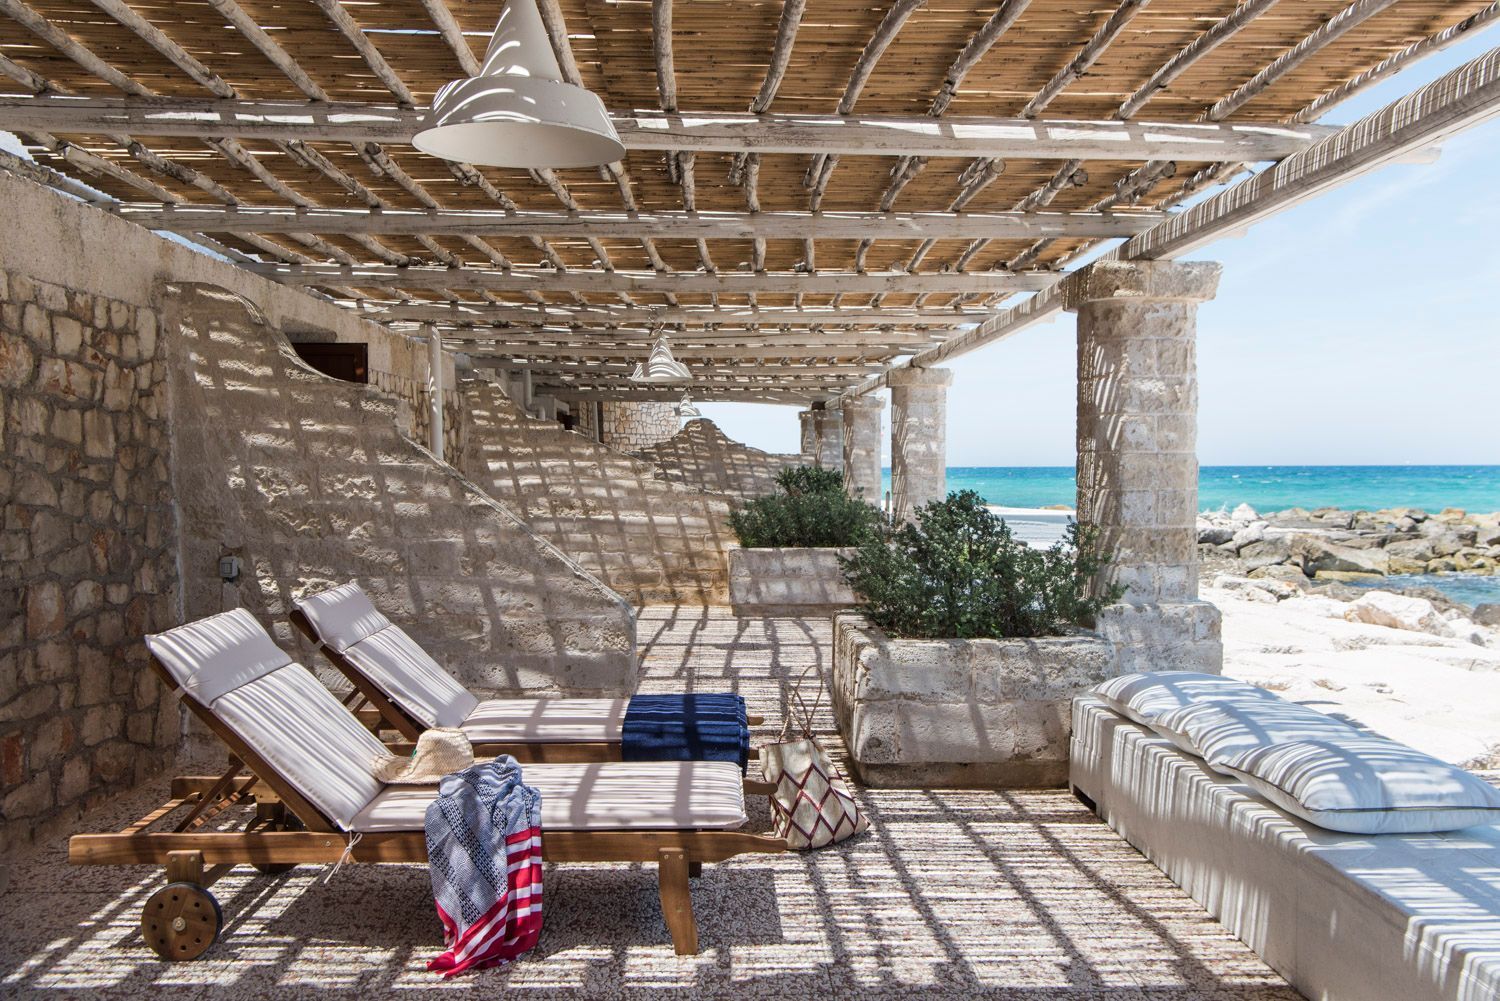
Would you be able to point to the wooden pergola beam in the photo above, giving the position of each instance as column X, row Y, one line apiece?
column 689, row 356
column 603, row 316
column 738, row 394
column 734, row 283
column 1459, row 100
column 713, row 132
column 586, row 223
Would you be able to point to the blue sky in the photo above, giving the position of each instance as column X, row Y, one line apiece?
column 1359, row 328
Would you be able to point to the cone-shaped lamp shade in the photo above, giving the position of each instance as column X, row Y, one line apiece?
column 660, row 367
column 686, row 411
column 518, row 112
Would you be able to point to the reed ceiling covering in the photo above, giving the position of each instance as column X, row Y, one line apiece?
column 1256, row 61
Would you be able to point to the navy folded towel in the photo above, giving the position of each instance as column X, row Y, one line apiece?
column 686, row 728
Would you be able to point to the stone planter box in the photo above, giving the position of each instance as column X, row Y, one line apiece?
column 788, row 581
column 954, row 713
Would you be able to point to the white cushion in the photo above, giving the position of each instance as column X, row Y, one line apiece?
column 1146, row 697
column 1217, row 730
column 342, row 616
column 402, row 670
column 525, row 721
column 599, row 796
column 308, row 737
column 218, row 654
column 1364, row 784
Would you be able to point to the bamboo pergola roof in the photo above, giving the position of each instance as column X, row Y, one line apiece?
column 813, row 189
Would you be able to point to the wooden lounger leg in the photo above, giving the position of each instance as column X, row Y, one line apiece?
column 677, row 901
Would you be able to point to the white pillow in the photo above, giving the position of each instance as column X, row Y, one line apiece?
column 218, row 654
column 1148, row 697
column 1217, row 730
column 342, row 616
column 1364, row 784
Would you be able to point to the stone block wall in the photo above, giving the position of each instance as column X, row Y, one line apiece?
column 649, row 539
column 628, row 426
column 415, row 394
column 934, row 713
column 705, row 458
column 309, row 482
column 89, row 546
column 87, row 550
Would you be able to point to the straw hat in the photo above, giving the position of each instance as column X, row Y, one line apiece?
column 439, row 752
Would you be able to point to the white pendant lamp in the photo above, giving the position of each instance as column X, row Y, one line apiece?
column 518, row 112
column 660, row 368
column 685, row 410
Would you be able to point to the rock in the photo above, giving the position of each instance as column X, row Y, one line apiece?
column 1290, row 514
column 1396, row 611
column 1267, row 552
column 1244, row 514
column 1471, row 560
column 1466, row 630
column 1320, row 556
column 1487, row 534
column 1316, row 604
column 1335, row 517
column 1443, row 565
column 1346, row 575
column 1337, row 591
column 1210, row 534
column 1451, row 515
column 1283, row 572
column 1253, row 532
column 1404, row 525
column 1487, row 614
column 1257, row 589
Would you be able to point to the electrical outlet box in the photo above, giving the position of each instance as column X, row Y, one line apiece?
column 229, row 569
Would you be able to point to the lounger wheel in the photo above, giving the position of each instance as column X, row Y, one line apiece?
column 180, row 921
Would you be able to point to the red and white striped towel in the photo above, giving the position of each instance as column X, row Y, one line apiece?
column 484, row 851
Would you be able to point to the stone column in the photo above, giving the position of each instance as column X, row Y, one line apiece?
column 822, row 437
column 1137, row 458
column 828, row 429
column 808, row 443
column 862, row 447
column 919, row 438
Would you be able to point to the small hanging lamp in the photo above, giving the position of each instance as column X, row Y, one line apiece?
column 660, row 368
column 685, row 410
column 518, row 112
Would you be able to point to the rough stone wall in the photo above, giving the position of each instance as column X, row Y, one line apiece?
column 628, row 426
column 84, row 575
column 932, row 713
column 86, row 552
column 308, row 481
column 651, row 540
column 415, row 394
column 703, row 457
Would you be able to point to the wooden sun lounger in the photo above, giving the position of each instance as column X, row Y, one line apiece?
column 181, row 920
column 385, row 712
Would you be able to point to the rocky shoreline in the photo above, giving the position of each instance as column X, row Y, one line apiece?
column 1335, row 544
column 1301, row 553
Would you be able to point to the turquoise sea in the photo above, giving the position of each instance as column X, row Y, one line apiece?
column 1265, row 488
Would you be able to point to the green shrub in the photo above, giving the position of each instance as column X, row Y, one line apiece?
column 811, row 510
column 958, row 573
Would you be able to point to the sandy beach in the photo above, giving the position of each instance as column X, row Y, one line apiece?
column 1439, row 694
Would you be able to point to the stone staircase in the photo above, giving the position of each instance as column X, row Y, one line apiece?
column 703, row 457
column 651, row 540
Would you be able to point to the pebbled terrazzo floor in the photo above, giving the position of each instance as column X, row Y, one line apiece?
column 952, row 894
